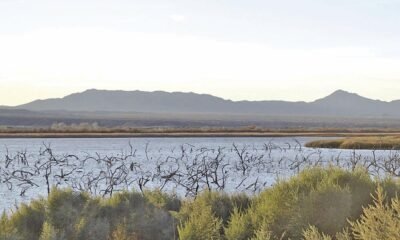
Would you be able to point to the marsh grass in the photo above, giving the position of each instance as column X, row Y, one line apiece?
column 372, row 142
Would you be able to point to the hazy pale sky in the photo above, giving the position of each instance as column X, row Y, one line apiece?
column 253, row 49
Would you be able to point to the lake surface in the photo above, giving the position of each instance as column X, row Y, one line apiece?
column 180, row 165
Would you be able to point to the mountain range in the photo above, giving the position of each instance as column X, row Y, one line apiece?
column 339, row 104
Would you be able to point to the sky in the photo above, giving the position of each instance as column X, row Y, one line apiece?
column 296, row 50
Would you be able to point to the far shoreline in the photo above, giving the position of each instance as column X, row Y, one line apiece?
column 183, row 134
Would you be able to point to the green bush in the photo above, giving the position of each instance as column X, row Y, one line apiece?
column 50, row 233
column 64, row 208
column 28, row 219
column 324, row 198
column 219, row 208
column 312, row 233
column 201, row 225
column 239, row 227
column 121, row 233
column 163, row 200
column 7, row 230
column 221, row 204
column 380, row 220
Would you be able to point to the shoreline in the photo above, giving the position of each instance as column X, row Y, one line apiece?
column 191, row 134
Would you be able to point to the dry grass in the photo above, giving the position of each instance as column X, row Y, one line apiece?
column 369, row 142
column 94, row 130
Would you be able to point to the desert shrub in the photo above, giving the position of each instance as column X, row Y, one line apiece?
column 145, row 217
column 327, row 207
column 391, row 187
column 240, row 202
column 222, row 205
column 7, row 231
column 121, row 233
column 142, row 217
column 28, row 219
column 239, row 227
column 263, row 234
column 119, row 207
column 380, row 220
column 312, row 233
column 344, row 235
column 201, row 225
column 77, row 216
column 50, row 233
column 64, row 209
column 324, row 198
column 208, row 214
column 90, row 228
column 154, row 223
column 163, row 200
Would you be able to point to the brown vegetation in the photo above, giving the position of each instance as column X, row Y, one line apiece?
column 94, row 130
column 370, row 142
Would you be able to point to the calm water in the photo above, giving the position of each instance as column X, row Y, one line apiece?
column 269, row 158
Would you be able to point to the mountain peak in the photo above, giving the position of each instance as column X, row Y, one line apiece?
column 341, row 96
column 91, row 90
column 341, row 93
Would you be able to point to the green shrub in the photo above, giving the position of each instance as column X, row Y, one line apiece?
column 222, row 205
column 7, row 230
column 312, row 233
column 324, row 198
column 145, row 217
column 263, row 234
column 50, row 233
column 121, row 233
column 201, row 225
column 64, row 209
column 119, row 207
column 93, row 229
column 239, row 227
column 28, row 219
column 163, row 200
column 380, row 220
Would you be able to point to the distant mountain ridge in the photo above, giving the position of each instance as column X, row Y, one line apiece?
column 340, row 103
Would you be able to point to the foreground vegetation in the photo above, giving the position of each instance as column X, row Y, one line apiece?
column 316, row 204
column 371, row 142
